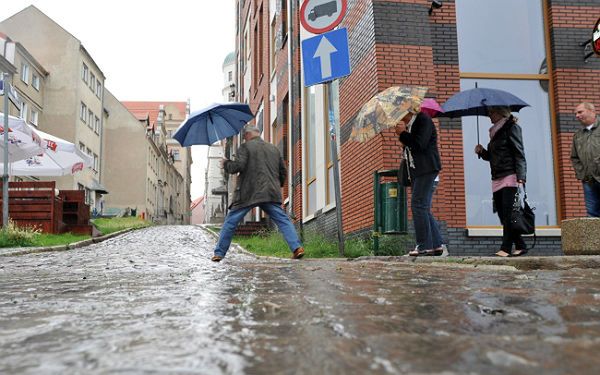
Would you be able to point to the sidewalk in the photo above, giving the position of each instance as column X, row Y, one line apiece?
column 524, row 263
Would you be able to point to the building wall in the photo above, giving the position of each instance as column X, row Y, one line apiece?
column 173, row 114
column 126, row 176
column 395, row 43
column 197, row 212
column 62, row 55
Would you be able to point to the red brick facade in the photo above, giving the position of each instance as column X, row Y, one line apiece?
column 395, row 42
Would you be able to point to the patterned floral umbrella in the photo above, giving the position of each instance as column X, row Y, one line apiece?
column 385, row 110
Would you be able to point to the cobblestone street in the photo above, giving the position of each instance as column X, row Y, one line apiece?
column 150, row 301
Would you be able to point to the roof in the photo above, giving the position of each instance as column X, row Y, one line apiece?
column 230, row 59
column 143, row 110
column 197, row 202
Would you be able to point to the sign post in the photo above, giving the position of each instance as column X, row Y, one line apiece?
column 6, row 87
column 326, row 57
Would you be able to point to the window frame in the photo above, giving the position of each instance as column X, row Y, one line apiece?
column 548, row 77
column 25, row 73
column 35, row 81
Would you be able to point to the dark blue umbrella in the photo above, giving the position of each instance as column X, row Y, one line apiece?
column 474, row 102
column 213, row 123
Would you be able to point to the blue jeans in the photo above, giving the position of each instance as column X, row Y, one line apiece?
column 276, row 213
column 591, row 193
column 427, row 231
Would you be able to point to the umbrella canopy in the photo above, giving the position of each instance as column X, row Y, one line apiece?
column 431, row 107
column 474, row 102
column 385, row 110
column 23, row 142
column 213, row 123
column 59, row 158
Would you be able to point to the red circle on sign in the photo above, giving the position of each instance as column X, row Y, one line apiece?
column 596, row 42
column 323, row 29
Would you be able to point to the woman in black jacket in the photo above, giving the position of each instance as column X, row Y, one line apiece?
column 419, row 137
column 506, row 155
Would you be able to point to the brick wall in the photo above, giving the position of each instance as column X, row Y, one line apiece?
column 571, row 23
column 395, row 42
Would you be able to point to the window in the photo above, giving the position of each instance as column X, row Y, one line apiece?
column 23, row 112
column 83, row 112
column 95, row 163
column 90, row 118
column 25, row 73
column 92, row 82
column 272, row 47
column 335, row 97
column 84, row 73
column 81, row 147
column 230, row 76
column 34, row 117
column 98, row 89
column 520, row 69
column 88, row 196
column 96, row 124
column 88, row 151
column 309, row 156
column 176, row 155
column 35, row 81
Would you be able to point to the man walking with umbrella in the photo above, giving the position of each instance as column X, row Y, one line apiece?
column 262, row 173
column 584, row 155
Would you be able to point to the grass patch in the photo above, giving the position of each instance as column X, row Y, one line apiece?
column 45, row 239
column 13, row 236
column 316, row 246
column 115, row 224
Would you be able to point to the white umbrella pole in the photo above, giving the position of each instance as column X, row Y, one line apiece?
column 5, row 175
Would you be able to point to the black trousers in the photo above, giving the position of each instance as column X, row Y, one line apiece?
column 503, row 201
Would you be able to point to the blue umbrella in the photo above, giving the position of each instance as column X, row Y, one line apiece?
column 213, row 123
column 475, row 102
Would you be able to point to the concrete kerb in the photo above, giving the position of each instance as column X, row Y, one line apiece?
column 525, row 263
column 71, row 246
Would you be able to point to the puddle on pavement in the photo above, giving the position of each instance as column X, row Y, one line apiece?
column 151, row 301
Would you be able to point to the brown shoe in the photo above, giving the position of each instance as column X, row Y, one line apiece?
column 216, row 258
column 298, row 253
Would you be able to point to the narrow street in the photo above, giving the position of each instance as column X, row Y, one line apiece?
column 152, row 302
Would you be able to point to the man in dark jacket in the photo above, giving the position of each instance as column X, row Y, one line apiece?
column 585, row 155
column 261, row 176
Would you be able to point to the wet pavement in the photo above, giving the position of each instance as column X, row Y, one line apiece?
column 151, row 302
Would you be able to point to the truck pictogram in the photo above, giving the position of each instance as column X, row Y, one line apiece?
column 325, row 9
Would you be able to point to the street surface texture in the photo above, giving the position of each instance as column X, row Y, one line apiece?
column 151, row 302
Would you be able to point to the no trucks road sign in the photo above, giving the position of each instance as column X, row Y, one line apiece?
column 319, row 16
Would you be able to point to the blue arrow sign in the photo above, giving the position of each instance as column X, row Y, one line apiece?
column 325, row 57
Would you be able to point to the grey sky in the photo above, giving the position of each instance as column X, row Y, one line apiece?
column 151, row 50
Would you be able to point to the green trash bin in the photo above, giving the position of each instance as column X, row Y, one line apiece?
column 391, row 216
column 393, row 208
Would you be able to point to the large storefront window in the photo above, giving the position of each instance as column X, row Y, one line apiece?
column 501, row 36
column 501, row 45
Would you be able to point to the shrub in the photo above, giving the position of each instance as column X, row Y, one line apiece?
column 14, row 236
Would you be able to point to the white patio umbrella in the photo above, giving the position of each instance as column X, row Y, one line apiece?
column 23, row 141
column 58, row 158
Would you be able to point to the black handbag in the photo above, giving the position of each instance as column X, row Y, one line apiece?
column 522, row 218
column 404, row 174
